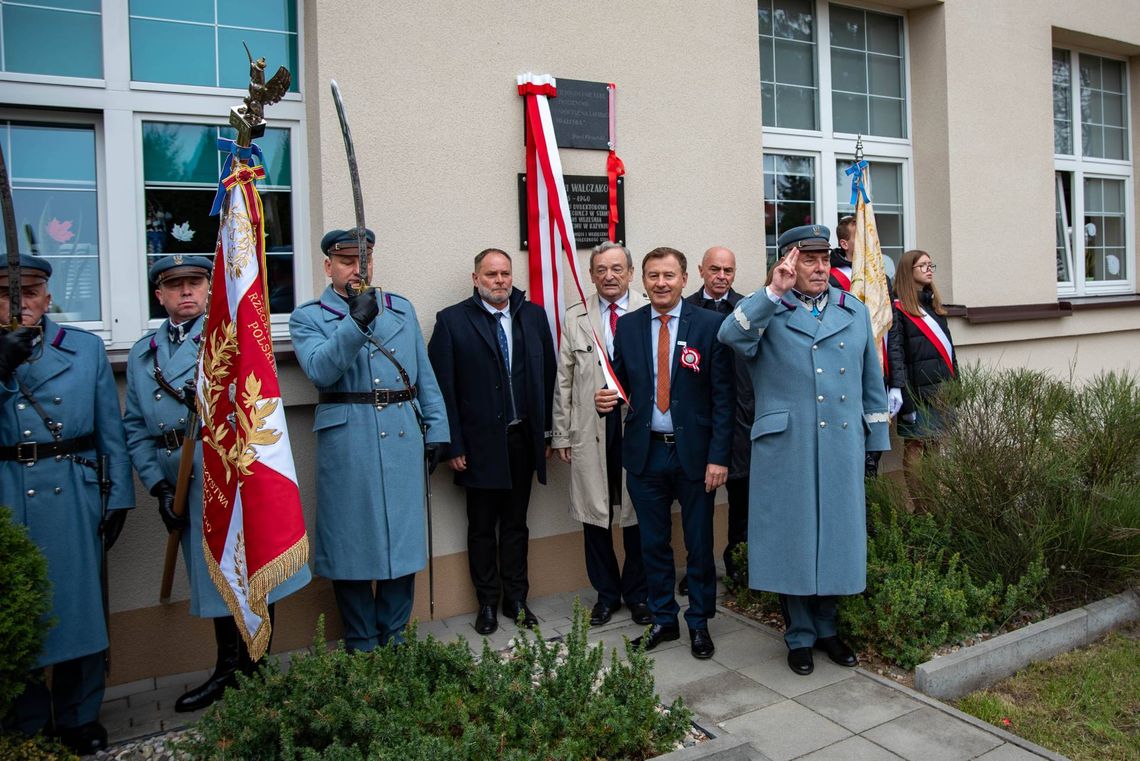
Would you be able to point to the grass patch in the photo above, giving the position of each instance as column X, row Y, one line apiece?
column 1084, row 704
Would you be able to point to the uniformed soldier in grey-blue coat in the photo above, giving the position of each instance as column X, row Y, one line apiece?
column 379, row 413
column 159, row 367
column 820, row 406
column 59, row 416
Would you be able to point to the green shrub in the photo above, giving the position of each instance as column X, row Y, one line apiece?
column 1030, row 467
column 24, row 605
column 430, row 700
column 920, row 595
column 16, row 747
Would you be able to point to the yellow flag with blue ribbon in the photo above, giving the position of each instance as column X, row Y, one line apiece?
column 868, row 276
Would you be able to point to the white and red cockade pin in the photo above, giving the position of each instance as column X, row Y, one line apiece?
column 690, row 358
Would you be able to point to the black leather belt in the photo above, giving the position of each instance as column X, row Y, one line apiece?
column 30, row 451
column 378, row 396
column 668, row 438
column 170, row 439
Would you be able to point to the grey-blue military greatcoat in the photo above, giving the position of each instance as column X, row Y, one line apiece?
column 820, row 405
column 58, row 498
column 152, row 419
column 370, row 460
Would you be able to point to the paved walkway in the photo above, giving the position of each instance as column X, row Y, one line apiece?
column 745, row 690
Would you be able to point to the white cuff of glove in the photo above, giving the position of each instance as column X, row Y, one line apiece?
column 894, row 401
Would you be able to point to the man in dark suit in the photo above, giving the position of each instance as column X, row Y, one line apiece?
column 494, row 359
column 677, row 441
column 718, row 272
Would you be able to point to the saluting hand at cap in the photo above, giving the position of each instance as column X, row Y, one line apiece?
column 784, row 273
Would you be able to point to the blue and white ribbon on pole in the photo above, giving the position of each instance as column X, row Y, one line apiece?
column 231, row 148
column 855, row 172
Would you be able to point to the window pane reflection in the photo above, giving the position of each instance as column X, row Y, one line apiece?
column 56, row 202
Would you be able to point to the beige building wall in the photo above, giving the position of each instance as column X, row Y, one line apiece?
column 982, row 112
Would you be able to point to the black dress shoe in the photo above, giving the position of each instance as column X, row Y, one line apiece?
column 487, row 621
column 838, row 651
column 701, row 643
column 657, row 634
column 800, row 661
column 602, row 613
column 512, row 610
column 640, row 614
column 683, row 586
column 84, row 740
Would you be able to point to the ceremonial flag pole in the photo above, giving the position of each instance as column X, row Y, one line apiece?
column 868, row 277
column 253, row 529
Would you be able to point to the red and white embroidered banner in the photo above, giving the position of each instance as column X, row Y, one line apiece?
column 934, row 333
column 253, row 530
column 550, row 233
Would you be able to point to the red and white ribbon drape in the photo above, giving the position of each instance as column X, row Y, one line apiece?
column 550, row 233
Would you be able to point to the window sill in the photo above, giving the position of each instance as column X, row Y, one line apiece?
column 1047, row 311
column 282, row 350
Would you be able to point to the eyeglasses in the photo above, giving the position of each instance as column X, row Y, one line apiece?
column 928, row 267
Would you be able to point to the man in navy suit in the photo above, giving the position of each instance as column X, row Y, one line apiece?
column 678, row 439
column 494, row 359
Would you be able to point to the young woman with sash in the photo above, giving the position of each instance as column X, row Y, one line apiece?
column 921, row 353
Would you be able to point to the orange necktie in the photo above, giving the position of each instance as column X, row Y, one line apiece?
column 663, row 364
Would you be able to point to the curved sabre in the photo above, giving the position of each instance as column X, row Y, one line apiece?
column 357, row 195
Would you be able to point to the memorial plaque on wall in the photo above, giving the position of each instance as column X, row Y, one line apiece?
column 581, row 114
column 589, row 199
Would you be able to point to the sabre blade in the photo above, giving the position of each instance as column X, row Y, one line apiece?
column 12, row 241
column 357, row 194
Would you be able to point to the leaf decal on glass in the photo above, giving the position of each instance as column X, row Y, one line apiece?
column 183, row 232
column 60, row 232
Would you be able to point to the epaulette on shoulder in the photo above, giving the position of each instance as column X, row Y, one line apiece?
column 309, row 303
column 396, row 302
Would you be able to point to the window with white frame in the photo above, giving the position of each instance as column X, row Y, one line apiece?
column 55, row 37
column 52, row 169
column 118, row 161
column 818, row 100
column 1093, row 174
column 181, row 166
column 201, row 42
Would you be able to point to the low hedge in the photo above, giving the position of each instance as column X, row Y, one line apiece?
column 429, row 700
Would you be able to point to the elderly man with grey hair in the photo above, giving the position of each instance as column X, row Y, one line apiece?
column 591, row 444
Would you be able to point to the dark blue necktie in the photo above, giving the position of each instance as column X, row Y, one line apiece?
column 503, row 348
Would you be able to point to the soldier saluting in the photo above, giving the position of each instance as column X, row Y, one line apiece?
column 160, row 393
column 59, row 418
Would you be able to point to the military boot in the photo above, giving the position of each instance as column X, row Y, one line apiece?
column 230, row 651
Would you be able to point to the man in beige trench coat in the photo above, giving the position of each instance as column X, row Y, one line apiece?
column 591, row 444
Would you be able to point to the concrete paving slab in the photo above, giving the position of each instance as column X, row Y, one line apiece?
column 858, row 703
column 931, row 735
column 775, row 675
column 852, row 749
column 720, row 697
column 746, row 647
column 786, row 730
column 185, row 681
column 1008, row 752
column 674, row 668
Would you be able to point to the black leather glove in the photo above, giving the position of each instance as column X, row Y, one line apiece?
column 15, row 347
column 164, row 493
column 363, row 308
column 190, row 396
column 111, row 526
column 433, row 453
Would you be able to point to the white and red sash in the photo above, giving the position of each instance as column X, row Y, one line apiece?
column 842, row 276
column 934, row 333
